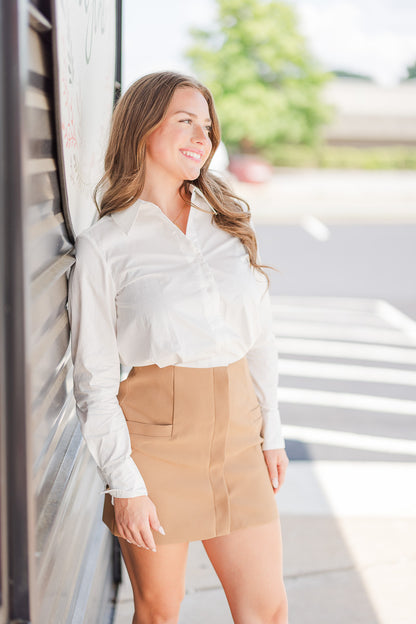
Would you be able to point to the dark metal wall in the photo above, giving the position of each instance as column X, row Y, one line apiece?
column 56, row 553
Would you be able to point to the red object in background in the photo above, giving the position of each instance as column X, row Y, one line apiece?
column 250, row 168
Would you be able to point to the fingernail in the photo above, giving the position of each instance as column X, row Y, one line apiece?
column 154, row 549
column 275, row 482
column 161, row 530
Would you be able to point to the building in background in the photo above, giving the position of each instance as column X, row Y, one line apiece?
column 369, row 114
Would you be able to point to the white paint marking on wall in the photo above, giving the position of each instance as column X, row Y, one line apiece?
column 315, row 227
column 346, row 439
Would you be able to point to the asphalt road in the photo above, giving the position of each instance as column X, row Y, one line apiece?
column 348, row 361
column 370, row 261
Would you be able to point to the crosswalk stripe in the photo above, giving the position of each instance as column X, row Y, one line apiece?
column 322, row 370
column 396, row 318
column 343, row 350
column 342, row 332
column 349, row 440
column 349, row 401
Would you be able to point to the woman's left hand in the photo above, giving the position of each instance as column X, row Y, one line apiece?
column 277, row 461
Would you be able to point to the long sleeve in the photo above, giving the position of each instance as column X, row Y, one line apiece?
column 263, row 360
column 96, row 373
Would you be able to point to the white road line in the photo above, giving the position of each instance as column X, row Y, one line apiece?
column 309, row 313
column 344, row 350
column 358, row 304
column 343, row 332
column 321, row 370
column 395, row 317
column 347, row 439
column 315, row 227
column 362, row 402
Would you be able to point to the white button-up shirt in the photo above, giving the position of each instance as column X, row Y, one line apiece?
column 143, row 292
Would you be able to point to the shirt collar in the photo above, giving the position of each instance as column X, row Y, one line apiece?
column 126, row 218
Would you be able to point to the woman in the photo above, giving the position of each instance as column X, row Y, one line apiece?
column 168, row 283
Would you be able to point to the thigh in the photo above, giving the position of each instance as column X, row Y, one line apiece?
column 249, row 564
column 157, row 578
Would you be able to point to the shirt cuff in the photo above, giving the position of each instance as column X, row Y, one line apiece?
column 272, row 431
column 123, row 493
column 123, row 480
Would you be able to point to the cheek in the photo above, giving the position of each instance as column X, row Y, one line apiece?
column 161, row 143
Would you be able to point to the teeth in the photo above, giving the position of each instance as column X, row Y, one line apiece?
column 192, row 154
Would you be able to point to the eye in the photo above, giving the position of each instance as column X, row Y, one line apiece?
column 209, row 128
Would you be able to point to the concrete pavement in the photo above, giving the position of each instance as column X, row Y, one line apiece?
column 333, row 196
column 341, row 566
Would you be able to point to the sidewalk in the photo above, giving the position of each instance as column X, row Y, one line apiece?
column 341, row 566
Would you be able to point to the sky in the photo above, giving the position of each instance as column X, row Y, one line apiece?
column 372, row 37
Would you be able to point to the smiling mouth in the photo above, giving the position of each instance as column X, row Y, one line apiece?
column 192, row 155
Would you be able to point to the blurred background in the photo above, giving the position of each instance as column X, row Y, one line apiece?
column 317, row 104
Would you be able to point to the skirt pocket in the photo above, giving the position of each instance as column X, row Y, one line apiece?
column 149, row 429
column 147, row 401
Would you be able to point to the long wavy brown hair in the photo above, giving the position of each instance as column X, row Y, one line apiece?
column 138, row 112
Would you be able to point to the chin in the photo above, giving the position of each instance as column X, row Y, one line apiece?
column 192, row 175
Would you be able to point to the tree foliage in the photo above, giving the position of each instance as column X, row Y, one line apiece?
column 411, row 72
column 342, row 73
column 265, row 83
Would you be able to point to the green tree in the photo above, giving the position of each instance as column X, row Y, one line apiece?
column 342, row 73
column 411, row 72
column 266, row 84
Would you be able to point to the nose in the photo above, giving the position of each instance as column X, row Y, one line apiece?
column 201, row 135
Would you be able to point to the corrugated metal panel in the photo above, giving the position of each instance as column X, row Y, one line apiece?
column 18, row 519
column 3, row 357
column 73, row 548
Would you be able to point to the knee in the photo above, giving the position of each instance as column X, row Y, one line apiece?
column 271, row 610
column 157, row 608
column 280, row 611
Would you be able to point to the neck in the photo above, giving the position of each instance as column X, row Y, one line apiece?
column 165, row 196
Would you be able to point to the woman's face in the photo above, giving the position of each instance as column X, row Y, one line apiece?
column 181, row 144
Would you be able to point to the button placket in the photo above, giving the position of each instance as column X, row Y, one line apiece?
column 211, row 299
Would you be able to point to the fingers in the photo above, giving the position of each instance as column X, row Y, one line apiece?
column 282, row 464
column 154, row 522
column 140, row 535
column 277, row 462
column 281, row 470
column 135, row 519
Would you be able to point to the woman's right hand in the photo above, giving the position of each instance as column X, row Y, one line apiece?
column 134, row 518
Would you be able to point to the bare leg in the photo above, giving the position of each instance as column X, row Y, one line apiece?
column 248, row 563
column 158, row 581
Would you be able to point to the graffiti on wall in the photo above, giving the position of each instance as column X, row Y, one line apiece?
column 85, row 54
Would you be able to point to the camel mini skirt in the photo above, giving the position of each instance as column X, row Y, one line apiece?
column 196, row 439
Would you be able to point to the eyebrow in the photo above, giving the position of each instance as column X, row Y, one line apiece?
column 191, row 114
